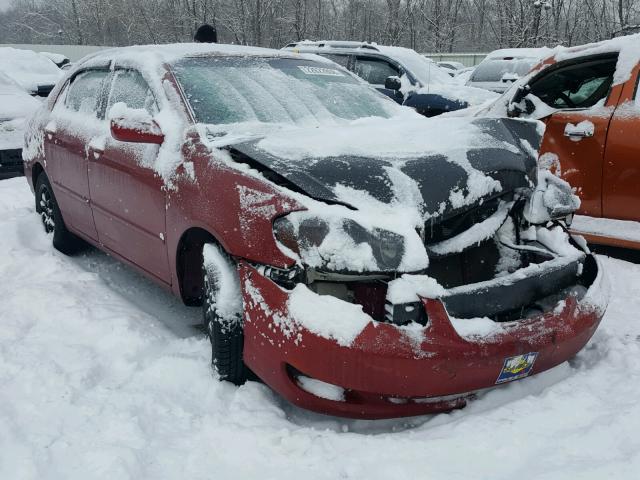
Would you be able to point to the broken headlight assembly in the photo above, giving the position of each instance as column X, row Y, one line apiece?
column 317, row 242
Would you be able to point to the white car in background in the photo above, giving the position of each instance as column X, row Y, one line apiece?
column 451, row 67
column 34, row 72
column 501, row 68
column 16, row 106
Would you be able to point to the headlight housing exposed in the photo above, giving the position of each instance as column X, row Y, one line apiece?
column 339, row 244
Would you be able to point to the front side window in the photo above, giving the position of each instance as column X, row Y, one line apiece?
column 579, row 85
column 375, row 71
column 226, row 90
column 339, row 59
column 85, row 92
column 130, row 88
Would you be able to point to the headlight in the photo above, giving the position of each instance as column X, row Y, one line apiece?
column 339, row 244
column 552, row 199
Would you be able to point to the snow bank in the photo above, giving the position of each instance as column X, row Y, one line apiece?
column 607, row 227
column 103, row 378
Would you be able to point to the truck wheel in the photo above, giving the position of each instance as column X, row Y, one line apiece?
column 222, row 314
column 47, row 208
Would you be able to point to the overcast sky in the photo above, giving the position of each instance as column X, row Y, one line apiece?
column 4, row 4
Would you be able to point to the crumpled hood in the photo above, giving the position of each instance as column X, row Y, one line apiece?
column 439, row 182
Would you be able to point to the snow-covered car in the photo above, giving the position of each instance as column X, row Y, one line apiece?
column 462, row 76
column 58, row 58
column 15, row 107
column 34, row 72
column 588, row 98
column 400, row 73
column 501, row 68
column 451, row 67
column 359, row 258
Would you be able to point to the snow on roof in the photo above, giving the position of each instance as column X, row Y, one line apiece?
column 628, row 48
column 159, row 54
column 520, row 53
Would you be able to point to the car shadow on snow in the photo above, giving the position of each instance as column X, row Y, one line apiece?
column 149, row 297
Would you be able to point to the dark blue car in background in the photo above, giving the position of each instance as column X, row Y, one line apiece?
column 400, row 73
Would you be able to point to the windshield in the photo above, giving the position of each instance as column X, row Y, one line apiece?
column 225, row 90
column 494, row 70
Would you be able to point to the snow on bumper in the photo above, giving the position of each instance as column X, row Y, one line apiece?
column 393, row 371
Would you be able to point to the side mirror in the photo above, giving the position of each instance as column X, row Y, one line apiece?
column 135, row 126
column 519, row 104
column 392, row 83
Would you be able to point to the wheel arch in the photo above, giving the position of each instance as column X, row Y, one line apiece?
column 36, row 171
column 189, row 263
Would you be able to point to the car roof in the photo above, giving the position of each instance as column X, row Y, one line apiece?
column 517, row 53
column 158, row 55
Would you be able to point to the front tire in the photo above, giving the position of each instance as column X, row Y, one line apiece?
column 222, row 315
column 47, row 207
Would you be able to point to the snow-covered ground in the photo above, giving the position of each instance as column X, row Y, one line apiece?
column 103, row 376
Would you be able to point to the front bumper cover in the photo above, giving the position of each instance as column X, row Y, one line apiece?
column 391, row 371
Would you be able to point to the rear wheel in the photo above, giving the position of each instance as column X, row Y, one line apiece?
column 47, row 208
column 222, row 315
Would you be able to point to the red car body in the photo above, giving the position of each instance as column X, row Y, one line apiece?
column 108, row 197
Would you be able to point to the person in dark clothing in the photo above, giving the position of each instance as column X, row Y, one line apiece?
column 206, row 34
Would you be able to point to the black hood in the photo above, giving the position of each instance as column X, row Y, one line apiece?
column 436, row 176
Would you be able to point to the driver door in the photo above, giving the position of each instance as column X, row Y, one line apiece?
column 583, row 102
column 127, row 194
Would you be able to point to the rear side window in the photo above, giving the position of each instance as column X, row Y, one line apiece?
column 375, row 71
column 85, row 92
column 579, row 85
column 130, row 88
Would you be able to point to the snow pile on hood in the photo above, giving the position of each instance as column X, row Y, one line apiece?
column 403, row 136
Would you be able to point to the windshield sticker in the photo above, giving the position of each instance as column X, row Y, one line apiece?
column 320, row 71
column 517, row 367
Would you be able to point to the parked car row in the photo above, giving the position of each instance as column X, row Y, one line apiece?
column 400, row 73
column 24, row 76
column 359, row 258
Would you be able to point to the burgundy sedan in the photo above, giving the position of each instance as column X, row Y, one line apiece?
column 358, row 258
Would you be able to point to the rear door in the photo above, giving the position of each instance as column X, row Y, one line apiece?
column 73, row 123
column 620, row 188
column 127, row 194
column 580, row 96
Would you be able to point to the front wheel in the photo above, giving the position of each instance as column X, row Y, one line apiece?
column 47, row 208
column 222, row 315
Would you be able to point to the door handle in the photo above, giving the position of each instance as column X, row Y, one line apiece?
column 97, row 152
column 581, row 130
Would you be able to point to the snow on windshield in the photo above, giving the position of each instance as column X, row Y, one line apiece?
column 274, row 90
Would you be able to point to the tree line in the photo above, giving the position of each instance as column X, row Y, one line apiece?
column 424, row 25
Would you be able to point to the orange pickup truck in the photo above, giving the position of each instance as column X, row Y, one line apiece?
column 588, row 97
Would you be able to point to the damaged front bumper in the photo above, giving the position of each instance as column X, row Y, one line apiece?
column 390, row 370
